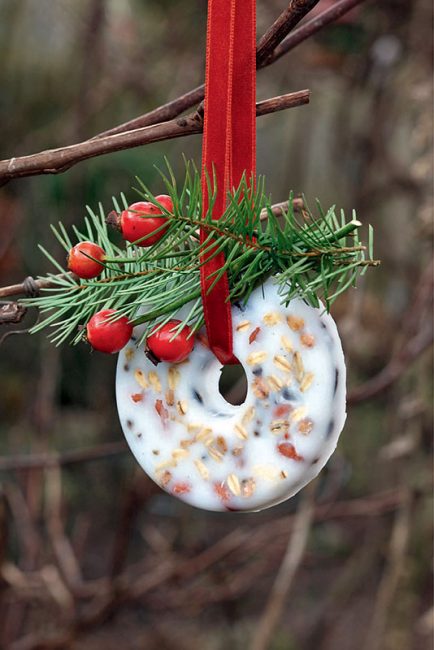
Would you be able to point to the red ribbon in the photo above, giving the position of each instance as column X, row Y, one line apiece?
column 229, row 141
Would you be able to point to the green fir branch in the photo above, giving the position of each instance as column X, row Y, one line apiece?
column 315, row 258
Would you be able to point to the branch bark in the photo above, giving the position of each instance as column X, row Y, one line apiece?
column 135, row 135
column 72, row 457
column 55, row 161
column 312, row 26
column 288, row 19
column 290, row 564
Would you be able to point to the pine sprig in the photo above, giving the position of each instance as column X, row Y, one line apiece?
column 315, row 258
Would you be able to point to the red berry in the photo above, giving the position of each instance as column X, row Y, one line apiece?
column 135, row 223
column 161, row 346
column 80, row 262
column 108, row 335
column 166, row 202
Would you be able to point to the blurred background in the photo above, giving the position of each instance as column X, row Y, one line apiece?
column 92, row 554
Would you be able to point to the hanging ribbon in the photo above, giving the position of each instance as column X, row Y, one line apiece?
column 229, row 141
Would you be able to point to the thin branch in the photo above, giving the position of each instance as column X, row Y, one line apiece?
column 288, row 568
column 313, row 26
column 395, row 369
column 415, row 337
column 36, row 461
column 22, row 287
column 47, row 283
column 288, row 19
column 387, row 590
column 193, row 97
column 55, row 161
column 161, row 114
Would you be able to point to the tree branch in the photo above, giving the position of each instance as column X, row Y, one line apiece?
column 288, row 568
column 55, row 161
column 288, row 19
column 193, row 97
column 312, row 26
column 30, row 165
column 36, row 461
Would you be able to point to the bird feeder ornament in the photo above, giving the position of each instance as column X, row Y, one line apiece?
column 184, row 434
column 210, row 275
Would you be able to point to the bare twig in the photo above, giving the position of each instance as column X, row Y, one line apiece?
column 23, row 287
column 395, row 369
column 290, row 563
column 288, row 19
column 415, row 337
column 142, row 580
column 312, row 26
column 34, row 461
column 295, row 11
column 193, row 97
column 164, row 113
column 389, row 583
column 55, row 161
column 45, row 283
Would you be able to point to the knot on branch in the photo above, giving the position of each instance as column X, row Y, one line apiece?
column 30, row 287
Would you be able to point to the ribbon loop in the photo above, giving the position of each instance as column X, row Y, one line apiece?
column 229, row 143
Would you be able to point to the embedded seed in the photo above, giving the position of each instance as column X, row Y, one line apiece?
column 283, row 474
column 305, row 426
column 165, row 478
column 243, row 326
column 241, row 432
column 272, row 318
column 170, row 397
column 161, row 410
column 202, row 469
column 248, row 415
column 307, row 340
column 307, row 381
column 182, row 406
column 279, row 426
column 140, row 378
column 282, row 363
column 295, row 323
column 248, row 486
column 289, row 451
column 269, row 472
column 129, row 353
column 237, row 451
column 171, row 462
column 173, row 377
column 274, row 382
column 254, row 334
column 221, row 444
column 193, row 427
column 286, row 344
column 234, row 484
column 154, row 380
column 299, row 367
column 260, row 388
column 215, row 454
column 256, row 357
column 185, row 443
column 180, row 453
column 205, row 436
column 298, row 414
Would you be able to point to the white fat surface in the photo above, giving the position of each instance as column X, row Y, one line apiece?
column 258, row 469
